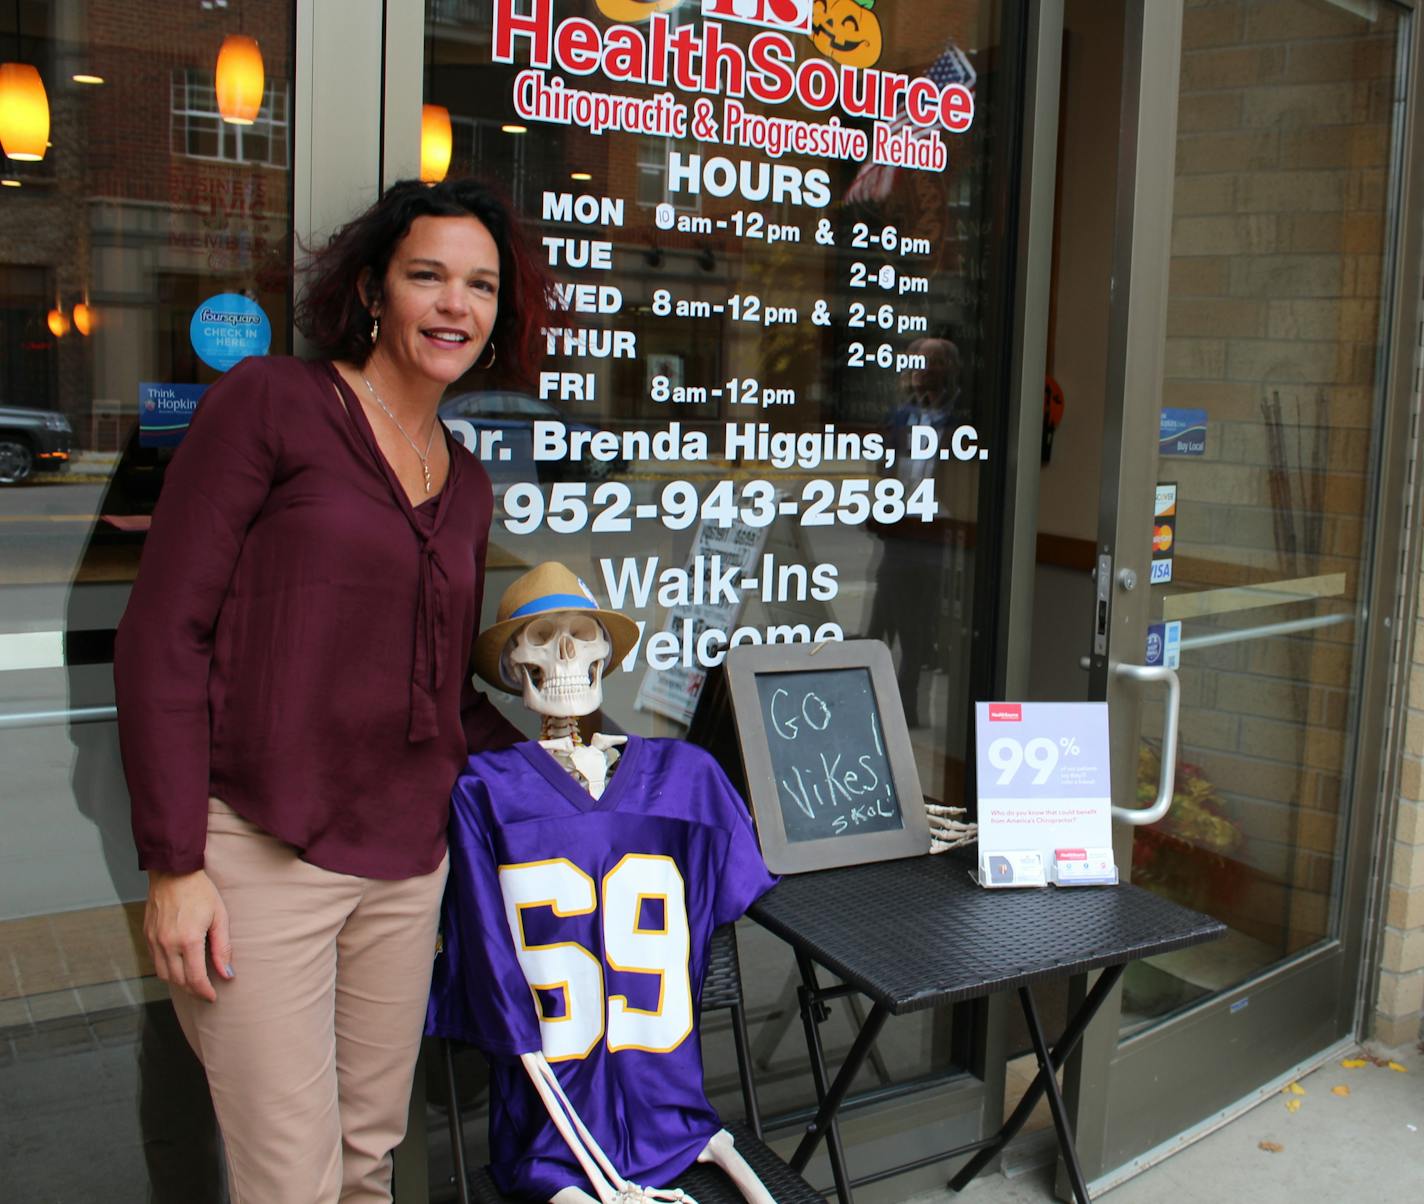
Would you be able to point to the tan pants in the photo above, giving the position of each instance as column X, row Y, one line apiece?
column 311, row 1047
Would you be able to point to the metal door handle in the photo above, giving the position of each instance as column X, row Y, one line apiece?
column 1168, row 772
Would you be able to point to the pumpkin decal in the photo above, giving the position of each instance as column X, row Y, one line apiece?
column 845, row 31
column 634, row 11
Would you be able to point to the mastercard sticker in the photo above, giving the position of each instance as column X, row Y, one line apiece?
column 1164, row 532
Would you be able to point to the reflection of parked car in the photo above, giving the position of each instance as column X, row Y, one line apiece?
column 32, row 440
column 514, row 415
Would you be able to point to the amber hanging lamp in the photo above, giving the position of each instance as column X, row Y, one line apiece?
column 436, row 140
column 239, row 79
column 57, row 320
column 436, row 137
column 83, row 315
column 24, row 107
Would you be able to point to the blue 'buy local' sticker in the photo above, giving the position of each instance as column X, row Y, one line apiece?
column 227, row 328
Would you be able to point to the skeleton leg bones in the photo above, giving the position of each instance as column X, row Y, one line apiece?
column 611, row 1187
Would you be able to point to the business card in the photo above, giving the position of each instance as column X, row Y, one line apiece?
column 1004, row 869
column 1083, row 867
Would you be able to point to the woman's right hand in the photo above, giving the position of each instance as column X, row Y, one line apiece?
column 184, row 921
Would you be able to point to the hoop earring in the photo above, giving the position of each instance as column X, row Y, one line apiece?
column 488, row 366
column 375, row 329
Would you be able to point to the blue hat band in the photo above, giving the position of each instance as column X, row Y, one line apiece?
column 554, row 602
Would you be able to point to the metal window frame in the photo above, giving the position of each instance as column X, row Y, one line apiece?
column 1399, row 553
column 359, row 68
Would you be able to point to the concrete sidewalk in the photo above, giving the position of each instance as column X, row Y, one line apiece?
column 1364, row 1145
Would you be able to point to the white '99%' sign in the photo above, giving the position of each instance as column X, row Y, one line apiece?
column 1009, row 755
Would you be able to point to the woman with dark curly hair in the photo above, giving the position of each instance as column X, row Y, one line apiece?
column 294, row 688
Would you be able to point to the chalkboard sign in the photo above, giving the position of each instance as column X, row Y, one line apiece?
column 829, row 768
column 827, row 753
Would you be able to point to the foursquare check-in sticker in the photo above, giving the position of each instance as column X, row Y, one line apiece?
column 227, row 328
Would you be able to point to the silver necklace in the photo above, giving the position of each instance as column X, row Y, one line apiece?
column 429, row 443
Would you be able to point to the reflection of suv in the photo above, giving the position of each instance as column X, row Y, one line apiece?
column 514, row 415
column 30, row 440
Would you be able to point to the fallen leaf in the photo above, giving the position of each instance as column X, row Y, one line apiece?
column 1375, row 1060
column 1341, row 1090
column 1296, row 1089
column 1398, row 1067
column 1354, row 1063
column 1292, row 1105
column 1271, row 1147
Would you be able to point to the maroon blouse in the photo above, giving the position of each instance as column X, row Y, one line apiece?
column 297, row 642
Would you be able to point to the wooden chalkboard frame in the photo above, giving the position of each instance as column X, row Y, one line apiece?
column 744, row 665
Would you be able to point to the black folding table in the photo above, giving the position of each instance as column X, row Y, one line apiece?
column 918, row 932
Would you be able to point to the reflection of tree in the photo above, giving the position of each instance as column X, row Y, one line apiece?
column 793, row 354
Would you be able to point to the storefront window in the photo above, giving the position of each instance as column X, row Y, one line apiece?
column 147, row 209
column 775, row 402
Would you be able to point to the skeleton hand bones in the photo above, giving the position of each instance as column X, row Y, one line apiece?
column 947, row 829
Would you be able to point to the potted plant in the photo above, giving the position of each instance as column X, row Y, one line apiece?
column 1193, row 856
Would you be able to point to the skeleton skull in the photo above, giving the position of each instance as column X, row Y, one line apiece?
column 561, row 658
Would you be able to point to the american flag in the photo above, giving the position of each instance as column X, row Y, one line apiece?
column 874, row 180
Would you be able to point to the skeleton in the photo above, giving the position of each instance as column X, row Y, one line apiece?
column 561, row 657
column 947, row 830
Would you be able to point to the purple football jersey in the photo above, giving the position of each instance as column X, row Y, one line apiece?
column 581, row 926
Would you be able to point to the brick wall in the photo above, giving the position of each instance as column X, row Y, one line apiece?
column 1399, row 1013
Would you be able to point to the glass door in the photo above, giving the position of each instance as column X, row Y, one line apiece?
column 1248, row 393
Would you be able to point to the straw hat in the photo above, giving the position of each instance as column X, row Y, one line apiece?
column 546, row 589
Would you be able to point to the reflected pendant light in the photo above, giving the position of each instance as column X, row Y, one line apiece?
column 24, row 107
column 240, row 79
column 57, row 322
column 24, row 112
column 83, row 318
column 435, row 143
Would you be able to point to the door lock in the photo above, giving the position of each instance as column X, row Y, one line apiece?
column 1127, row 579
column 1103, row 604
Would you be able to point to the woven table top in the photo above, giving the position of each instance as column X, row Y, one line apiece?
column 918, row 932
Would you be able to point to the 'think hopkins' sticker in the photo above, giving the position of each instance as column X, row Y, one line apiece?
column 228, row 328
